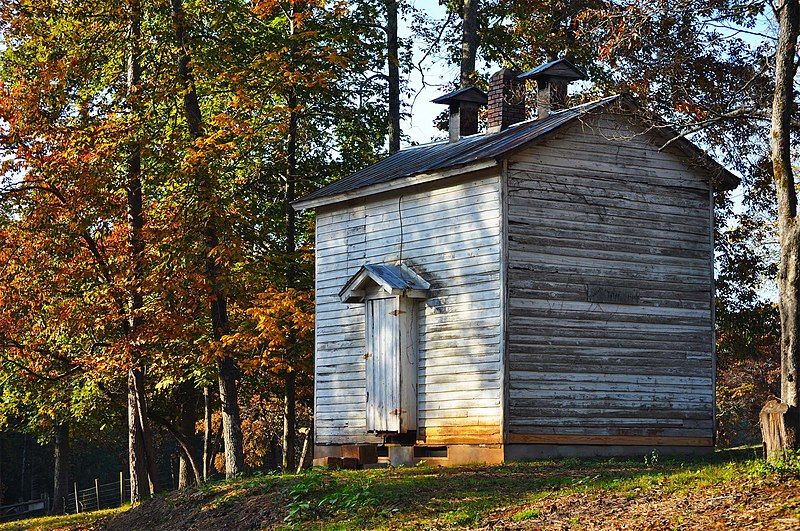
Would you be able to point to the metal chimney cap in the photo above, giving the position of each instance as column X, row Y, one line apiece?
column 560, row 68
column 470, row 94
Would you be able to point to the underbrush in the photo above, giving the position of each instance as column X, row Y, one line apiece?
column 788, row 465
column 319, row 494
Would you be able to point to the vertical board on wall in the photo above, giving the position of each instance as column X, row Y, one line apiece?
column 382, row 365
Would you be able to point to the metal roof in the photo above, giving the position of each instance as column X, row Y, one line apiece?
column 557, row 68
column 394, row 279
column 438, row 156
column 473, row 94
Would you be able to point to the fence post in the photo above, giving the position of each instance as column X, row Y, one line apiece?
column 121, row 488
column 77, row 507
column 97, row 492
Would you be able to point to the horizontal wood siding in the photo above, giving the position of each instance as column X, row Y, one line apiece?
column 450, row 235
column 599, row 207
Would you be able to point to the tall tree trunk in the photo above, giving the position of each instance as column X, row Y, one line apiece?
column 187, row 426
column 227, row 370
column 141, row 462
column 23, row 468
column 207, row 432
column 61, row 460
column 231, row 420
column 142, row 466
column 35, row 492
column 289, row 417
column 289, row 411
column 291, row 185
column 788, row 230
column 469, row 42
column 393, row 64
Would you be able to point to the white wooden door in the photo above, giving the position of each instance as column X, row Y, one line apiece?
column 383, row 365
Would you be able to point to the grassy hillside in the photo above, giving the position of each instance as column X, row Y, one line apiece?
column 69, row 521
column 655, row 493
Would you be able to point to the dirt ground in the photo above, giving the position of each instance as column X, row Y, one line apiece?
column 750, row 504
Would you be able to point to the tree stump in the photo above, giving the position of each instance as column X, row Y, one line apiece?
column 773, row 429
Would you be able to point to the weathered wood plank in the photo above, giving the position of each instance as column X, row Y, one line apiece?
column 451, row 237
column 587, row 212
column 623, row 440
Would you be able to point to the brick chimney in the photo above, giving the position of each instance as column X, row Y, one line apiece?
column 464, row 105
column 552, row 80
column 506, row 100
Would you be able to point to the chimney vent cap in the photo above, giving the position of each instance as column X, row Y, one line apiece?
column 560, row 68
column 470, row 94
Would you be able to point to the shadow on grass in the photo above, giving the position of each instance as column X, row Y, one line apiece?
column 466, row 495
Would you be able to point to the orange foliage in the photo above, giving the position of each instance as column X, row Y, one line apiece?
column 280, row 324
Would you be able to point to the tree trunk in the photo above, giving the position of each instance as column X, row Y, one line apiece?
column 140, row 489
column 289, row 411
column 291, row 186
column 23, row 468
column 143, row 481
column 188, row 430
column 140, row 450
column 231, row 421
column 469, row 42
column 788, row 230
column 226, row 366
column 306, row 455
column 61, row 460
column 393, row 64
column 207, row 432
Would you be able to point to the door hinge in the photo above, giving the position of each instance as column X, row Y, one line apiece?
column 367, row 355
column 396, row 312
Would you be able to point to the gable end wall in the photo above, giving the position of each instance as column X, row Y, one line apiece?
column 610, row 290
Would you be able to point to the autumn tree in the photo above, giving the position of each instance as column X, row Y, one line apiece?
column 74, row 118
column 206, row 185
column 50, row 372
column 150, row 160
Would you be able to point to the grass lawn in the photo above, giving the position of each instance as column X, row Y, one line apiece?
column 732, row 490
column 66, row 521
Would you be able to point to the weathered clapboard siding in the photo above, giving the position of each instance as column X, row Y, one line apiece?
column 450, row 235
column 598, row 205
